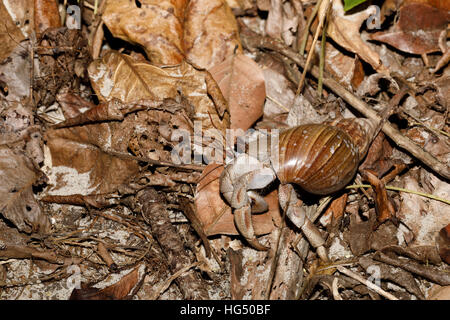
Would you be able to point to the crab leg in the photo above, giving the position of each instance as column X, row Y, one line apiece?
column 243, row 222
column 291, row 205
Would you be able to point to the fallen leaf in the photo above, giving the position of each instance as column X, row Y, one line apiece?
column 46, row 15
column 86, row 163
column 242, row 84
column 15, row 73
column 120, row 76
column 211, row 33
column 154, row 24
column 344, row 29
column 335, row 211
column 18, row 203
column 338, row 64
column 439, row 293
column 417, row 29
column 440, row 4
column 443, row 243
column 116, row 291
column 216, row 216
column 425, row 218
column 21, row 12
column 10, row 34
column 80, row 164
column 274, row 22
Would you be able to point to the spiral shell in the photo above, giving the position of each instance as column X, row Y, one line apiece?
column 320, row 158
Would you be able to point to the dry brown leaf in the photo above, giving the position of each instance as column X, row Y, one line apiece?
column 241, row 81
column 15, row 75
column 117, row 291
column 440, row 4
column 335, row 211
column 211, row 33
column 274, row 22
column 216, row 216
column 443, row 243
column 424, row 218
column 46, row 15
column 438, row 292
column 119, row 76
column 10, row 34
column 80, row 164
column 340, row 65
column 21, row 11
column 417, row 29
column 344, row 29
column 84, row 162
column 18, row 203
column 154, row 24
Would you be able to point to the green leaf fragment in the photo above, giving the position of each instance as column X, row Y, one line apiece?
column 350, row 4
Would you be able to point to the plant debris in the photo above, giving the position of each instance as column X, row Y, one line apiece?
column 120, row 119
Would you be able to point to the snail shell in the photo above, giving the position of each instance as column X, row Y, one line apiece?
column 320, row 158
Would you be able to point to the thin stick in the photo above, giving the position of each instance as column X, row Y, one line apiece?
column 334, row 290
column 308, row 25
column 311, row 51
column 369, row 284
column 427, row 195
column 163, row 287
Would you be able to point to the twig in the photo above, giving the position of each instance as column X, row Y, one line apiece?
column 308, row 25
column 163, row 287
column 427, row 195
column 334, row 290
column 311, row 50
column 433, row 274
column 369, row 284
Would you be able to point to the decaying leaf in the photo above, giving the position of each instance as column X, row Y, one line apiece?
column 10, row 34
column 18, row 203
column 155, row 25
column 86, row 159
column 216, row 216
column 424, row 218
column 344, row 29
column 15, row 73
column 443, row 243
column 79, row 162
column 340, row 65
column 46, row 15
column 120, row 76
column 417, row 29
column 439, row 293
column 116, row 291
column 242, row 83
column 210, row 33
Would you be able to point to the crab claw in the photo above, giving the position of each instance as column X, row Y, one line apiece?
column 243, row 222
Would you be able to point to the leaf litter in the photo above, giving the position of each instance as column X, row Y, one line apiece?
column 95, row 206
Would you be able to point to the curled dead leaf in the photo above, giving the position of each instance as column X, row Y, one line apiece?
column 443, row 243
column 211, row 33
column 241, row 81
column 344, row 29
column 10, row 34
column 417, row 29
column 120, row 76
column 117, row 291
column 17, row 201
column 155, row 25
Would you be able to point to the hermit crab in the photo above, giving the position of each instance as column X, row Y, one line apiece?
column 319, row 158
